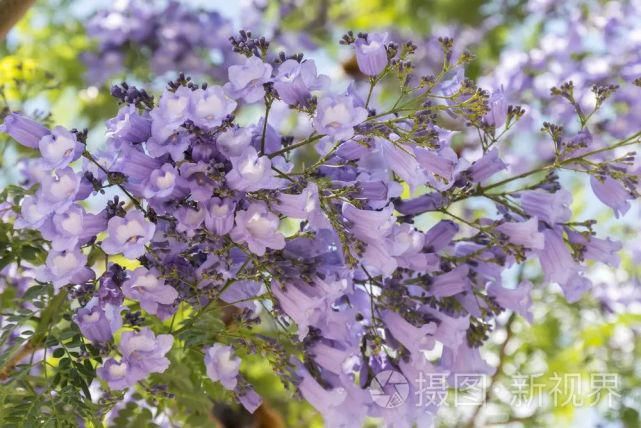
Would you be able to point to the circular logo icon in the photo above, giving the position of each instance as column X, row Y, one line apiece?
column 389, row 389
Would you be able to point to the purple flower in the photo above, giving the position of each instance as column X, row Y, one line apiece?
column 401, row 160
column 498, row 108
column 117, row 374
column 210, row 106
column 134, row 163
column 406, row 246
column 556, row 259
column 24, row 130
column 219, row 217
column 194, row 180
column 304, row 206
column 451, row 331
column 222, row 365
column 249, row 399
column 142, row 354
column 453, row 282
column 487, row 166
column 612, row 193
column 246, row 80
column 145, row 287
column 161, row 182
column 33, row 213
column 251, row 172
column 440, row 235
column 234, row 141
column 331, row 355
column 466, row 361
column 337, row 115
column 372, row 228
column 371, row 54
column 602, row 250
column 575, row 287
column 128, row 235
column 324, row 401
column 421, row 204
column 144, row 351
column 368, row 225
column 414, row 339
column 189, row 219
column 129, row 126
column 517, row 299
column 65, row 267
column 524, row 233
column 308, row 304
column 171, row 112
column 58, row 193
column 258, row 228
column 549, row 207
column 65, row 230
column 98, row 322
column 59, row 148
column 175, row 145
column 295, row 81
column 439, row 166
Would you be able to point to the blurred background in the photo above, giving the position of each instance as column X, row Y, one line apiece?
column 58, row 62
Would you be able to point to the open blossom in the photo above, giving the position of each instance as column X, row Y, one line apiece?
column 337, row 115
column 252, row 172
column 219, row 216
column 295, row 81
column 65, row 267
column 145, row 287
column 142, row 352
column 371, row 54
column 128, row 235
column 59, row 148
column 195, row 181
column 189, row 218
column 33, row 213
column 171, row 112
column 234, row 141
column 98, row 321
column 210, row 106
column 246, row 80
column 258, row 228
column 222, row 365
column 66, row 230
column 118, row 374
column 58, row 193
column 161, row 182
column 145, row 351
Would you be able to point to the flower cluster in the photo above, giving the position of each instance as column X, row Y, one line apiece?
column 173, row 37
column 581, row 59
column 360, row 256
